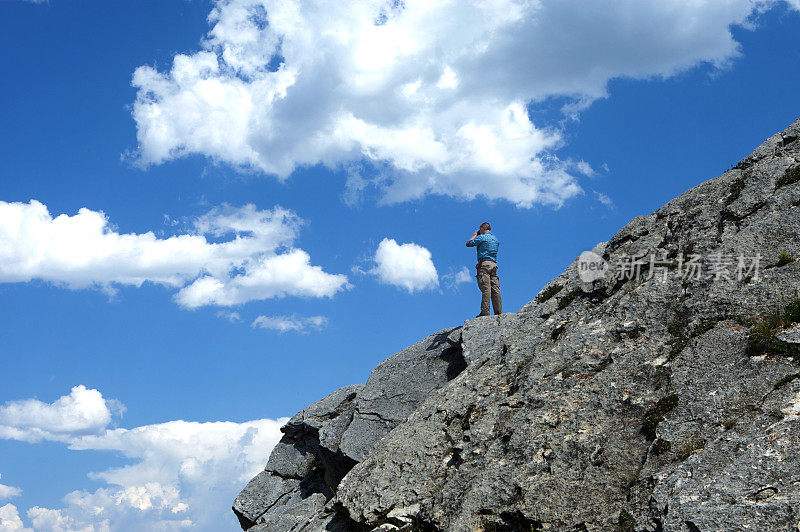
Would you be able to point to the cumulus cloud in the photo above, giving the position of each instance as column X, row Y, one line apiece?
column 436, row 95
column 49, row 520
column 254, row 259
column 83, row 411
column 10, row 521
column 406, row 266
column 289, row 273
column 284, row 324
column 182, row 474
column 7, row 492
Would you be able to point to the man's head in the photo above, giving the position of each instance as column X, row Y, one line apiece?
column 484, row 228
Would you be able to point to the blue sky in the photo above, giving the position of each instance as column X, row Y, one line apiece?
column 147, row 374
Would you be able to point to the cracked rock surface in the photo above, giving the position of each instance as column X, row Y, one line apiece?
column 621, row 404
column 325, row 440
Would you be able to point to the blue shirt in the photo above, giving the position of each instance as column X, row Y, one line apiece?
column 487, row 246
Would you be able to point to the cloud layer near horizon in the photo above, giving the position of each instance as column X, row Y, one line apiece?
column 183, row 474
column 253, row 260
column 434, row 95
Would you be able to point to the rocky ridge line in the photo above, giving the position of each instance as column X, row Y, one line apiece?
column 663, row 403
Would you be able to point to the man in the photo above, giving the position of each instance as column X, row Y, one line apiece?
column 488, row 281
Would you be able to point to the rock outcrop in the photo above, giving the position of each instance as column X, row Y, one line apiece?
column 325, row 440
column 662, row 396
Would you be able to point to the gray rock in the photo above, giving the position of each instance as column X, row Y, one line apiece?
column 305, row 467
column 484, row 337
column 790, row 335
column 323, row 441
column 397, row 386
column 262, row 493
column 630, row 404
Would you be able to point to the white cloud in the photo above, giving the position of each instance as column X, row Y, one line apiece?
column 434, row 94
column 83, row 411
column 605, row 200
column 49, row 520
column 232, row 317
column 463, row 276
column 182, row 475
column 406, row 266
column 7, row 492
column 455, row 278
column 284, row 324
column 290, row 273
column 252, row 261
column 10, row 520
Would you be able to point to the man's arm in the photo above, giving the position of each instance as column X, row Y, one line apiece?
column 471, row 242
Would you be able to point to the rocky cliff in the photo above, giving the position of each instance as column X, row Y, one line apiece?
column 661, row 396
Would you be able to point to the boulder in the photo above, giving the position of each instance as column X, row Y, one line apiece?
column 325, row 440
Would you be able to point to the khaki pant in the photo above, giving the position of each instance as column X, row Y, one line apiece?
column 489, row 284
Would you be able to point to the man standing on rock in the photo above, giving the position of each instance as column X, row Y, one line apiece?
column 486, row 268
